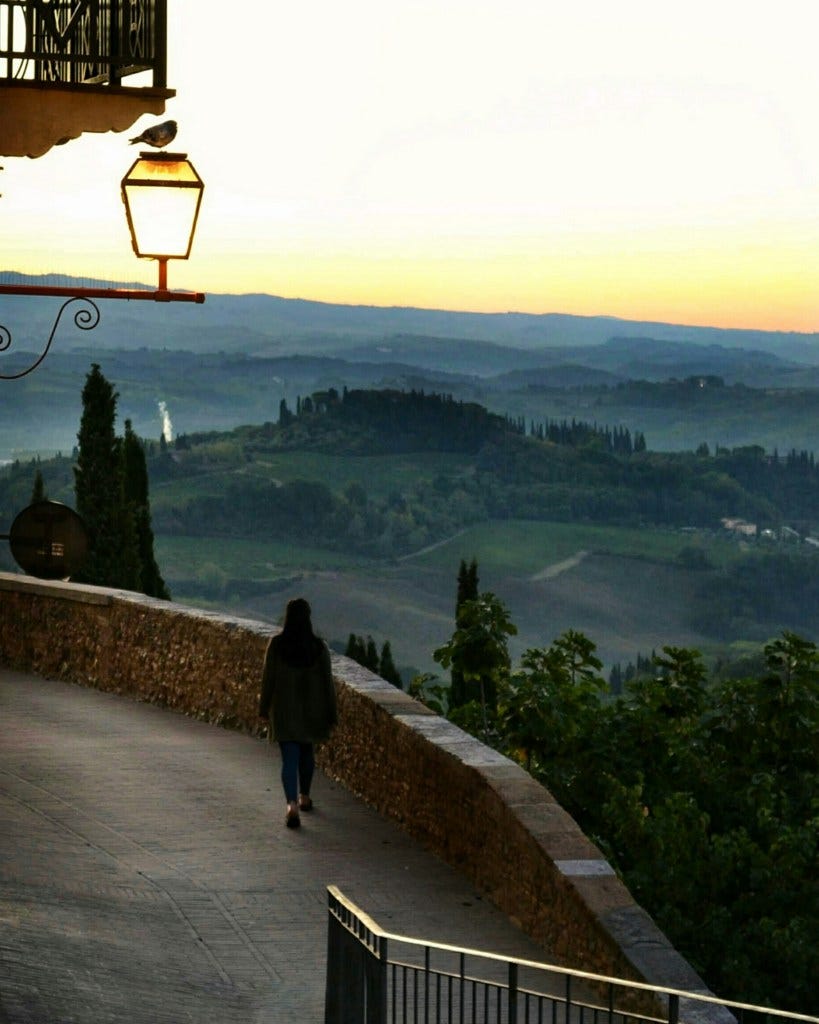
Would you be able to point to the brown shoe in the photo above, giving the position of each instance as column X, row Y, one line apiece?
column 305, row 803
column 292, row 819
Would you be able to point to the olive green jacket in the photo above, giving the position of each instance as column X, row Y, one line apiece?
column 300, row 701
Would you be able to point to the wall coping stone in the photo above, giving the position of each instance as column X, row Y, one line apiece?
column 591, row 866
column 87, row 593
column 56, row 588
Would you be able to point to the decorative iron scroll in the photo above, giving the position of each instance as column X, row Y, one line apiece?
column 82, row 41
column 86, row 318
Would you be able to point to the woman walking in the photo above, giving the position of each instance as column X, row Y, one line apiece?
column 297, row 684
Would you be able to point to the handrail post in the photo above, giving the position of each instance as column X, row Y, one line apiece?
column 673, row 1009
column 348, row 968
column 334, row 985
column 513, row 993
column 377, row 984
column 462, row 983
column 426, row 983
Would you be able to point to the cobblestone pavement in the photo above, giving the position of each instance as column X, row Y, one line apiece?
column 146, row 874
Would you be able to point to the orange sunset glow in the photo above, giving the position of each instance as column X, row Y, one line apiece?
column 631, row 160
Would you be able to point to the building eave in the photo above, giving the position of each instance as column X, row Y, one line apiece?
column 35, row 116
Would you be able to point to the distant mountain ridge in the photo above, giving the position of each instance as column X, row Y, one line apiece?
column 269, row 324
column 232, row 360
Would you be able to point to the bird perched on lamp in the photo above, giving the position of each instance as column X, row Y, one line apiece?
column 158, row 135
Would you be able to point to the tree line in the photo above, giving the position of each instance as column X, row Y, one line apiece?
column 387, row 420
column 578, row 434
column 365, row 652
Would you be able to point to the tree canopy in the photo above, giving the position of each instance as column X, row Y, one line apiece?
column 701, row 789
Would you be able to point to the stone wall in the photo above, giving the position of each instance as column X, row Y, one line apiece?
column 476, row 809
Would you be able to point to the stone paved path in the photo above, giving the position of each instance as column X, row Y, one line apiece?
column 146, row 875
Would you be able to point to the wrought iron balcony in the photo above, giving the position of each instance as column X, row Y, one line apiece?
column 64, row 65
column 82, row 42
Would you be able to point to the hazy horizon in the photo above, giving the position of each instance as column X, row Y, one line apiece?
column 6, row 274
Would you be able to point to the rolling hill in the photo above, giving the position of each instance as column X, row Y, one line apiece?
column 232, row 360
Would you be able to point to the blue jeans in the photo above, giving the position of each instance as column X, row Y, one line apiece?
column 298, row 764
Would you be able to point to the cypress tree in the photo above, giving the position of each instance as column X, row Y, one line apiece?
column 111, row 492
column 467, row 591
column 138, row 510
column 38, row 492
column 355, row 648
column 371, row 655
column 387, row 669
column 467, row 583
column 98, row 483
column 462, row 585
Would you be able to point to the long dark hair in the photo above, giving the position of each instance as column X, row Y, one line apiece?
column 297, row 644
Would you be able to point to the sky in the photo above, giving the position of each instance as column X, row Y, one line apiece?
column 643, row 160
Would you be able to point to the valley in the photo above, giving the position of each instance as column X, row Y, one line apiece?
column 618, row 546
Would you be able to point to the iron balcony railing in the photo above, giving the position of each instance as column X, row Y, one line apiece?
column 87, row 42
column 376, row 977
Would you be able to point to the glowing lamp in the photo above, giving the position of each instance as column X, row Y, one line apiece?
column 162, row 193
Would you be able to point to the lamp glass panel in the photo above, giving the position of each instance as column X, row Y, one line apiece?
column 163, row 219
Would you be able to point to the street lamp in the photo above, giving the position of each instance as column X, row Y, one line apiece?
column 162, row 193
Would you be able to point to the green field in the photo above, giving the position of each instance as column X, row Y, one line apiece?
column 511, row 547
column 379, row 475
column 183, row 558
column 523, row 547
column 628, row 594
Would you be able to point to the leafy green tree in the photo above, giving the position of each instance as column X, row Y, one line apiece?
column 478, row 650
column 545, row 708
column 676, row 690
column 430, row 691
column 769, row 723
column 703, row 792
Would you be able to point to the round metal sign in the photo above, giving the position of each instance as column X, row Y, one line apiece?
column 48, row 540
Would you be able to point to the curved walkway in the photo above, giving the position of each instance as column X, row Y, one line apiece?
column 146, row 875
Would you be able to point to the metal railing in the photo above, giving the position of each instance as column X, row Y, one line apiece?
column 377, row 977
column 89, row 42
